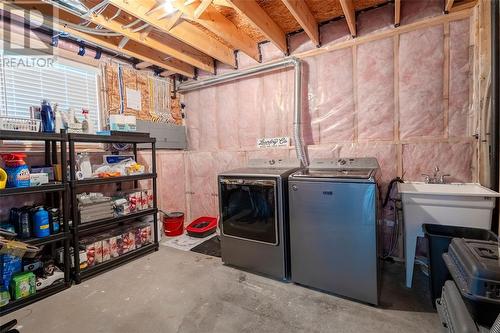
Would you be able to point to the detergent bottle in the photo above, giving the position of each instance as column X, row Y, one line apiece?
column 48, row 118
column 18, row 173
column 41, row 226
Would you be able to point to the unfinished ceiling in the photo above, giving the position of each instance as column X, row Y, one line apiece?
column 183, row 35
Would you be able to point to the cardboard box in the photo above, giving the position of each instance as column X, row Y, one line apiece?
column 37, row 179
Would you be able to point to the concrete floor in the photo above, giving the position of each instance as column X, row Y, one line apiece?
column 176, row 291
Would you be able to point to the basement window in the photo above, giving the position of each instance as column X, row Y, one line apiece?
column 68, row 83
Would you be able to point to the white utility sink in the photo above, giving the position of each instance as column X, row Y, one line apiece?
column 461, row 189
column 458, row 204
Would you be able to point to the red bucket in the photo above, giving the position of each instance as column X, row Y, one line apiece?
column 173, row 224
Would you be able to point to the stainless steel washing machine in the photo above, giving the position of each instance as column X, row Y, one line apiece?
column 254, row 217
column 333, row 227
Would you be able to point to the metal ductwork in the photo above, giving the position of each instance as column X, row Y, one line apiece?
column 269, row 67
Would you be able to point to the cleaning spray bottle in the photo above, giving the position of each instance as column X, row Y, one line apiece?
column 18, row 173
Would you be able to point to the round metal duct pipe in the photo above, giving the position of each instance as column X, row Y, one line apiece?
column 297, row 92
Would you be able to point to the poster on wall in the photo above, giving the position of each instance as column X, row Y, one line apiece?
column 283, row 141
column 133, row 99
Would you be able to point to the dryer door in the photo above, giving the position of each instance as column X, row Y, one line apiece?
column 248, row 209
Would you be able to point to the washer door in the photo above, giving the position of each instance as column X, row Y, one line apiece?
column 248, row 209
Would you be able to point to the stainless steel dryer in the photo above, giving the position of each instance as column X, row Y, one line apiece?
column 333, row 227
column 254, row 217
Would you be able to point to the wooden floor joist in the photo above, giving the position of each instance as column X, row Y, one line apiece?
column 261, row 20
column 305, row 18
column 131, row 49
column 350, row 15
column 183, row 30
column 397, row 13
column 176, row 49
column 448, row 5
column 201, row 8
column 222, row 27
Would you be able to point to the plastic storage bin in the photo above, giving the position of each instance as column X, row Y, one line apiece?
column 439, row 238
column 452, row 311
column 474, row 265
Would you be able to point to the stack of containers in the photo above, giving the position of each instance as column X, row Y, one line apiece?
column 471, row 302
column 116, row 242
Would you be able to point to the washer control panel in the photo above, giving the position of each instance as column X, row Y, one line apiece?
column 345, row 163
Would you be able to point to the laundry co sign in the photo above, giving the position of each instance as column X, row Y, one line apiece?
column 283, row 141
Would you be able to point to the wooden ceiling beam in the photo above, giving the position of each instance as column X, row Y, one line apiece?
column 463, row 6
column 305, row 18
column 201, row 8
column 198, row 60
column 259, row 18
column 217, row 23
column 448, row 5
column 183, row 30
column 132, row 49
column 397, row 13
column 350, row 15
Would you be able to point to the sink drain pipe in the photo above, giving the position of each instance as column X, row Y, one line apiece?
column 244, row 73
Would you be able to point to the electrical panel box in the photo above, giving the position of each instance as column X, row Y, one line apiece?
column 168, row 136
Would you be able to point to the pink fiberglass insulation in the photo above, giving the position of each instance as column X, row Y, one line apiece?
column 278, row 153
column 227, row 115
column 193, row 111
column 334, row 100
column 277, row 103
column 300, row 42
column 202, row 205
column 250, row 99
column 375, row 20
column 375, row 90
column 208, row 119
column 459, row 78
column 244, row 61
column 172, row 194
column 452, row 158
column 421, row 60
column 270, row 52
column 416, row 10
column 334, row 32
column 201, row 172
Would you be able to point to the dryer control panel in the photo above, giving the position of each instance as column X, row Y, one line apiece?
column 284, row 163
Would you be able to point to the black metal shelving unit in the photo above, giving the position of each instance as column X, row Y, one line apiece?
column 99, row 226
column 55, row 194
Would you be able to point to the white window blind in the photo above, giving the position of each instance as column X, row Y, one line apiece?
column 69, row 84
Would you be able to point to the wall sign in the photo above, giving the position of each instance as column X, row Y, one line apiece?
column 283, row 141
